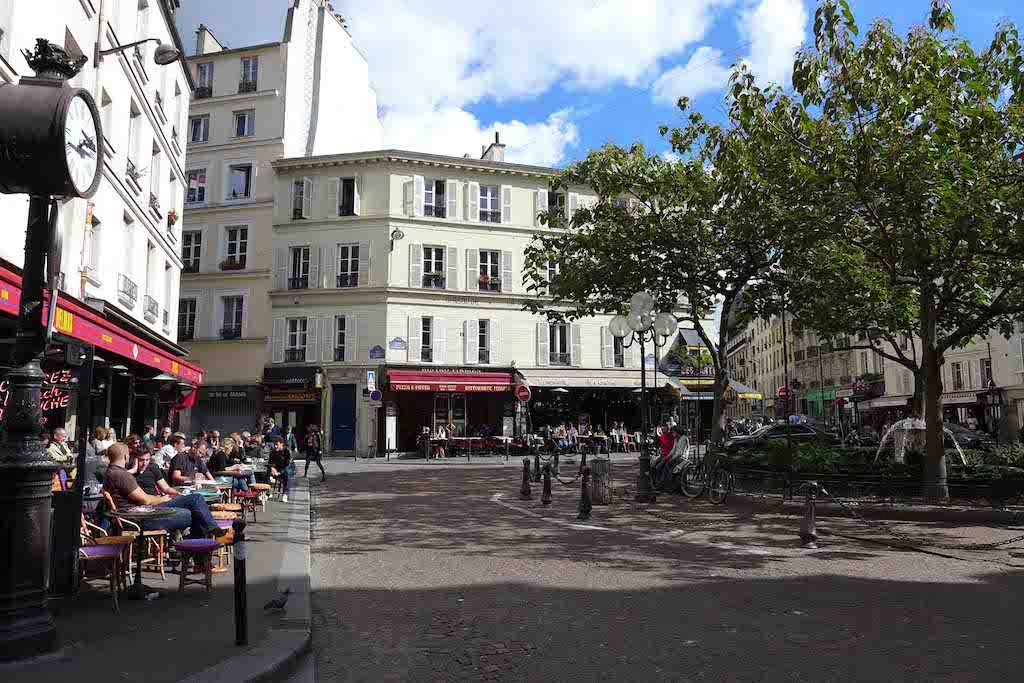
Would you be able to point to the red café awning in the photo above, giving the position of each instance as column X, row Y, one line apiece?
column 469, row 382
column 77, row 321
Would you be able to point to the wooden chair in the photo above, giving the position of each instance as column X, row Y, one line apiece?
column 628, row 445
column 224, row 521
column 155, row 539
column 196, row 558
column 264, row 491
column 99, row 549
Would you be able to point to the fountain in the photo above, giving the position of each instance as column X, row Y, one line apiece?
column 910, row 431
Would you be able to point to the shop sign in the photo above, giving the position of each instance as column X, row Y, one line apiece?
column 52, row 397
column 844, row 393
column 292, row 395
column 467, row 388
column 377, row 353
column 391, row 409
column 397, row 344
column 226, row 394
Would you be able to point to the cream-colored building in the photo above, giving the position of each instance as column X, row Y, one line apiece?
column 305, row 95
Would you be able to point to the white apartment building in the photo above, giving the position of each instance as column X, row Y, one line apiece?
column 308, row 94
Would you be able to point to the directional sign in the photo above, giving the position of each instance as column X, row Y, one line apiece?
column 371, row 380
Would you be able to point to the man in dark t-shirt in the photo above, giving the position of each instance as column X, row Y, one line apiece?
column 186, row 466
column 148, row 475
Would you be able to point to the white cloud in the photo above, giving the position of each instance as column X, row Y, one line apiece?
column 776, row 28
column 705, row 72
column 670, row 156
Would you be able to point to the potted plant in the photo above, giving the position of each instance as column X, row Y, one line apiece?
column 172, row 217
column 485, row 280
column 438, row 278
column 231, row 264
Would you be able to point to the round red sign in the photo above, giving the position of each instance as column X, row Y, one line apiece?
column 523, row 393
column 784, row 393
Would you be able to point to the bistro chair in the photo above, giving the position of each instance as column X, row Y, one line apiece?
column 196, row 559
column 248, row 500
column 155, row 539
column 628, row 445
column 264, row 491
column 224, row 521
column 109, row 552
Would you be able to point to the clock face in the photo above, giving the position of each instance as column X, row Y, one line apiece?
column 81, row 145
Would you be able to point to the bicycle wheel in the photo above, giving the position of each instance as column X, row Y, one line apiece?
column 695, row 478
column 719, row 486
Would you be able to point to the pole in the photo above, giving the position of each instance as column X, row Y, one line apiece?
column 821, row 380
column 785, row 370
column 241, row 608
column 643, row 393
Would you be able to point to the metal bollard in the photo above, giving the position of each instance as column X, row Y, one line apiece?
column 557, row 471
column 241, row 609
column 808, row 529
column 644, row 494
column 545, row 496
column 586, row 505
column 536, row 468
column 524, row 490
column 583, row 461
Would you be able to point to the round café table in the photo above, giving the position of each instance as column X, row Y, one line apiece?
column 242, row 474
column 140, row 514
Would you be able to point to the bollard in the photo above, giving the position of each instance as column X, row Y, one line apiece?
column 583, row 461
column 557, row 471
column 241, row 609
column 536, row 468
column 524, row 490
column 545, row 496
column 644, row 494
column 808, row 529
column 585, row 503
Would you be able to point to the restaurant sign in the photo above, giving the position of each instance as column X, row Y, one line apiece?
column 437, row 386
column 53, row 396
column 292, row 396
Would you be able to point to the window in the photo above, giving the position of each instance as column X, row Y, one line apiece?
column 186, row 319
column 958, row 375
column 490, row 271
column 133, row 141
column 483, row 341
column 347, row 197
column 191, row 248
column 348, row 265
column 558, row 340
column 237, row 246
column 196, row 186
column 554, row 271
column 339, row 338
column 250, row 74
column 434, row 199
column 245, row 123
column 299, row 277
column 295, row 351
column 154, row 179
column 433, row 267
column 490, row 206
column 427, row 341
column 232, row 327
column 904, row 342
column 204, row 72
column 199, row 129
column 556, row 203
column 239, row 181
column 986, row 372
column 620, row 203
column 618, row 353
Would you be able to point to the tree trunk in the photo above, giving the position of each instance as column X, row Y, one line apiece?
column 917, row 400
column 931, row 368
column 716, row 413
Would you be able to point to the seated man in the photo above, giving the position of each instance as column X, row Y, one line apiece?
column 148, row 475
column 189, row 511
column 186, row 466
column 58, row 448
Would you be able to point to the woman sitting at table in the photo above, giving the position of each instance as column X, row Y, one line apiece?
column 442, row 436
column 226, row 459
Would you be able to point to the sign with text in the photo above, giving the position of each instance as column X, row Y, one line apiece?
column 371, row 380
column 377, row 353
column 397, row 344
column 437, row 386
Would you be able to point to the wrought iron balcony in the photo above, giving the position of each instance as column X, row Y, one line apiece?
column 490, row 216
column 231, row 332
column 348, row 280
column 204, row 91
column 438, row 211
column 246, row 86
column 489, row 284
column 186, row 333
column 127, row 291
column 154, row 203
column 433, row 281
column 151, row 308
column 298, row 282
column 619, row 360
column 339, row 353
column 295, row 355
column 190, row 267
column 297, row 213
column 427, row 354
column 484, row 356
column 559, row 358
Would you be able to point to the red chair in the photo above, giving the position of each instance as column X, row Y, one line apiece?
column 248, row 500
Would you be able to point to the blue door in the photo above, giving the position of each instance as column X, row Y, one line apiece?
column 343, row 417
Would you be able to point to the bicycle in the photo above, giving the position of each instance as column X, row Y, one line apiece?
column 700, row 476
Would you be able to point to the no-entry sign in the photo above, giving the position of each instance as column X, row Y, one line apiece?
column 785, row 394
column 523, row 393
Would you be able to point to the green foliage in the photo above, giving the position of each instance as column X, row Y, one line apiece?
column 1004, row 456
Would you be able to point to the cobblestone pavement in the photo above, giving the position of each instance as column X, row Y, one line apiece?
column 425, row 574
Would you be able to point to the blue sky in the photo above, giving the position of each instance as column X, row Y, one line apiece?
column 559, row 78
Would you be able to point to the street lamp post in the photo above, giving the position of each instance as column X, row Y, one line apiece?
column 643, row 325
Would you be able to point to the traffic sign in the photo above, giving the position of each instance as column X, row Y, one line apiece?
column 375, row 404
column 523, row 393
column 371, row 380
column 785, row 394
column 376, row 395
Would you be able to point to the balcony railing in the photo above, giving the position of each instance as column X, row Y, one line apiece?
column 439, row 211
column 298, row 282
column 295, row 355
column 127, row 290
column 154, row 202
column 204, row 91
column 433, row 281
column 490, row 284
column 427, row 354
column 619, row 360
column 233, row 263
column 246, row 86
column 132, row 171
column 190, row 267
column 348, row 280
column 186, row 333
column 484, row 356
column 490, row 216
column 559, row 358
column 339, row 353
column 151, row 308
column 231, row 332
column 297, row 213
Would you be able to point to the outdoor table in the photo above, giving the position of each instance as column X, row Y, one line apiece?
column 140, row 514
column 466, row 441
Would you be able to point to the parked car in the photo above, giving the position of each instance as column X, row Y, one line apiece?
column 968, row 439
column 778, row 433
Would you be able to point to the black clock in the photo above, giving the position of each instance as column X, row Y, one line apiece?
column 51, row 141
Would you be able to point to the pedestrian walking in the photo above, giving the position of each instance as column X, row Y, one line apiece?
column 314, row 450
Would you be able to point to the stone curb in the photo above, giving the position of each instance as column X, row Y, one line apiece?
column 290, row 638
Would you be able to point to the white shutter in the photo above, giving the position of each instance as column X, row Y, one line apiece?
column 632, row 353
column 351, row 338
column 973, row 374
column 329, row 266
column 314, row 266
column 357, row 204
column 312, row 339
column 494, row 341
column 333, row 196
column 506, row 271
column 415, row 338
column 472, row 270
column 576, row 345
column 408, row 199
column 506, row 203
column 280, row 268
column 471, row 341
column 607, row 348
column 283, row 202
column 451, row 190
column 327, row 337
column 1017, row 349
column 947, row 377
column 440, row 331
column 416, row 266
column 543, row 345
column 540, row 205
column 571, row 205
column 453, row 268
column 417, row 188
column 364, row 264
column 472, row 201
column 307, row 197
column 277, row 344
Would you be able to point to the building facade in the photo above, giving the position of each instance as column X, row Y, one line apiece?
column 307, row 94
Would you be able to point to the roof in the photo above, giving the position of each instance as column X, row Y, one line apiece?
column 691, row 338
column 227, row 51
column 402, row 156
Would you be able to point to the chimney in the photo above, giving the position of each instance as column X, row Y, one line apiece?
column 206, row 42
column 496, row 152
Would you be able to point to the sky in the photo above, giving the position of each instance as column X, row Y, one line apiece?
column 559, row 78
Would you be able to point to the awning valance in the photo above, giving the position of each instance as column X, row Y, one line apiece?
column 292, row 376
column 885, row 402
column 743, row 391
column 450, row 380
column 593, row 378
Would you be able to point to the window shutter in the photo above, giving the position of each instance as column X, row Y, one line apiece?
column 506, row 271
column 440, row 341
column 333, row 196
column 472, row 270
column 328, row 328
column 277, row 345
column 540, row 205
column 472, row 202
column 506, row 203
column 416, row 265
column 280, row 267
column 471, row 341
column 571, row 205
column 947, row 380
column 494, row 341
column 283, row 201
column 971, row 380
column 453, row 267
column 451, row 190
column 607, row 348
column 417, row 185
column 364, row 264
column 543, row 345
column 357, row 205
column 408, row 199
column 576, row 345
column 312, row 339
column 314, row 266
column 1017, row 349
column 351, row 338
column 329, row 266
column 307, row 197
column 415, row 338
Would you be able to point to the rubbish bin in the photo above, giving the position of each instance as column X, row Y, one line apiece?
column 600, row 481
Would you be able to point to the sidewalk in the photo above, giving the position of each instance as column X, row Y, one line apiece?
column 191, row 635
